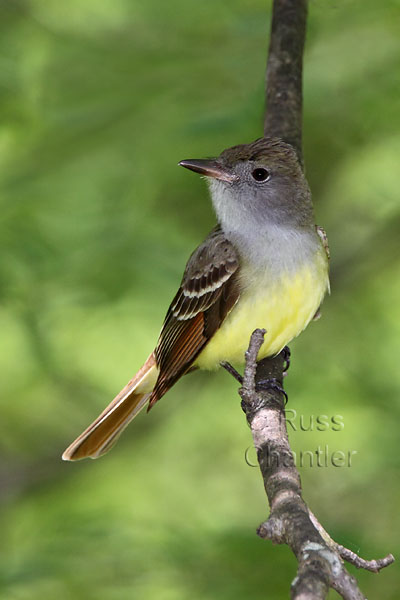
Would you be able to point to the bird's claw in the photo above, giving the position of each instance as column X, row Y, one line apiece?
column 272, row 384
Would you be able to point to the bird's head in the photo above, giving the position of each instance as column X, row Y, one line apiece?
column 261, row 182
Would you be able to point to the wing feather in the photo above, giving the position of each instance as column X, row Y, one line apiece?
column 207, row 292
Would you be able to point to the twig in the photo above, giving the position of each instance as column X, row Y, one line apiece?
column 349, row 556
column 320, row 558
column 374, row 565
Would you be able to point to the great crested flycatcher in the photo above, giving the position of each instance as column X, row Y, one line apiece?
column 264, row 265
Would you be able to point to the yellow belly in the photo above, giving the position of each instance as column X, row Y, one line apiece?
column 284, row 309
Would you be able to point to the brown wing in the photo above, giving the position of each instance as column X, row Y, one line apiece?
column 207, row 293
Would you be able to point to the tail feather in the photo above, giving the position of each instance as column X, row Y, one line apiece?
column 102, row 434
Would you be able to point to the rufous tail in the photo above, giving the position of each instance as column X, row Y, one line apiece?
column 101, row 435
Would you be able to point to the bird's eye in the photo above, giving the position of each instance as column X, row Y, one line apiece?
column 260, row 174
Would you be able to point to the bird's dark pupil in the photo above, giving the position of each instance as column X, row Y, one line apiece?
column 260, row 174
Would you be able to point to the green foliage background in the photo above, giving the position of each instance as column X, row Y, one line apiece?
column 99, row 101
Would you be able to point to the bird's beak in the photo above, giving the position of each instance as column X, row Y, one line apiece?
column 209, row 168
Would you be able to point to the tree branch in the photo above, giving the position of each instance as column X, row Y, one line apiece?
column 284, row 96
column 320, row 558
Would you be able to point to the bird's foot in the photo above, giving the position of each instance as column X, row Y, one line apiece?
column 271, row 384
column 286, row 357
column 228, row 367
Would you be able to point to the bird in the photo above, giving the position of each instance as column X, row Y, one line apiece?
column 264, row 265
